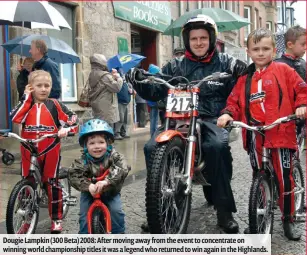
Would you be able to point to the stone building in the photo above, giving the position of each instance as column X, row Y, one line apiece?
column 110, row 27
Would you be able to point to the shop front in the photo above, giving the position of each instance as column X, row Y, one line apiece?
column 147, row 19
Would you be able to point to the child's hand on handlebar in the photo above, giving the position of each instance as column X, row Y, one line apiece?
column 301, row 112
column 101, row 185
column 223, row 120
column 93, row 189
column 63, row 132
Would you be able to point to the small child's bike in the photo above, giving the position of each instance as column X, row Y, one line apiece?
column 28, row 195
column 98, row 215
column 264, row 191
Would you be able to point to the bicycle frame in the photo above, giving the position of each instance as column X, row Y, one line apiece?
column 267, row 165
column 99, row 204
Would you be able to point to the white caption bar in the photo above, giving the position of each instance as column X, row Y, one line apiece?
column 135, row 244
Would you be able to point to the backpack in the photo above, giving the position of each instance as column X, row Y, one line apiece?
column 84, row 100
column 123, row 95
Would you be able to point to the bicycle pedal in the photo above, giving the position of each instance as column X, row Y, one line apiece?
column 71, row 201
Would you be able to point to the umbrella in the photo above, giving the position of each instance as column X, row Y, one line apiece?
column 58, row 50
column 224, row 19
column 125, row 61
column 35, row 14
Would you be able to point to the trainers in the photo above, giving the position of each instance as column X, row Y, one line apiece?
column 290, row 230
column 118, row 137
column 56, row 227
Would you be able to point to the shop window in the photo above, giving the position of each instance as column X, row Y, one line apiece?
column 223, row 5
column 67, row 71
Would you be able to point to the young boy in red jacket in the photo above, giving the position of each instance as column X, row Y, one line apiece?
column 265, row 92
column 40, row 115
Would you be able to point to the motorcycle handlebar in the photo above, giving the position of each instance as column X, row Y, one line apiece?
column 152, row 78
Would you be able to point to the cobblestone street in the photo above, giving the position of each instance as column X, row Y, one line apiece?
column 203, row 218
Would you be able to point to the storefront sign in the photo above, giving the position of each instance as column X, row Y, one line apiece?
column 155, row 15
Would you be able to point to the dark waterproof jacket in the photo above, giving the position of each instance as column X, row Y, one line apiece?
column 46, row 64
column 22, row 82
column 213, row 94
column 299, row 65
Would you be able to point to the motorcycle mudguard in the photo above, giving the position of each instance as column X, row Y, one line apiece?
column 168, row 135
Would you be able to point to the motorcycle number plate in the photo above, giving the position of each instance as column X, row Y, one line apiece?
column 179, row 102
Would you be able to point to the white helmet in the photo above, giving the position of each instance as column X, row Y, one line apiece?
column 200, row 22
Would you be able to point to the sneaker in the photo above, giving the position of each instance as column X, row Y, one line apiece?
column 56, row 227
column 118, row 137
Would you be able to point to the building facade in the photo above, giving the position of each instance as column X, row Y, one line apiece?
column 111, row 27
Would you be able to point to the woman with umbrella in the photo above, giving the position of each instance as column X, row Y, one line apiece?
column 103, row 89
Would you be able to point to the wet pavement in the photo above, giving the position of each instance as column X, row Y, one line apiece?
column 203, row 217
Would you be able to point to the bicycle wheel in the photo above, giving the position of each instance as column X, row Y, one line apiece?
column 22, row 211
column 66, row 191
column 299, row 189
column 98, row 222
column 261, row 213
column 167, row 206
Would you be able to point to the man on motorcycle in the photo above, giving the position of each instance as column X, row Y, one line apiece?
column 202, row 59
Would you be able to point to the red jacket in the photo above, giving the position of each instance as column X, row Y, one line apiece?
column 284, row 92
column 43, row 118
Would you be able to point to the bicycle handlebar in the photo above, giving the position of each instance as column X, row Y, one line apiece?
column 9, row 134
column 268, row 127
column 151, row 78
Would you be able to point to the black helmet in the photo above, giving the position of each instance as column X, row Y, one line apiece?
column 200, row 22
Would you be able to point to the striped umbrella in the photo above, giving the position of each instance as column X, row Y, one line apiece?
column 35, row 14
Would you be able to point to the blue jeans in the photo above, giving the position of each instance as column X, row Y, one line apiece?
column 114, row 205
column 154, row 113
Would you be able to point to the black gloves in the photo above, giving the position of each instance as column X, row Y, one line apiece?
column 238, row 68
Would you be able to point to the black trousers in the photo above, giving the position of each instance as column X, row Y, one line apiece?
column 141, row 110
column 218, row 162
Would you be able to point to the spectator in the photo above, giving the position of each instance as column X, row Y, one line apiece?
column 103, row 89
column 39, row 52
column 22, row 79
column 124, row 98
column 178, row 52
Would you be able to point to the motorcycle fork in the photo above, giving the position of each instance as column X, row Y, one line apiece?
column 190, row 156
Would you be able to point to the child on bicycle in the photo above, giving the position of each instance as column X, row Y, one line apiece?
column 265, row 92
column 295, row 40
column 96, row 138
column 40, row 115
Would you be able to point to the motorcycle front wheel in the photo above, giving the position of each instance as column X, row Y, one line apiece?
column 167, row 206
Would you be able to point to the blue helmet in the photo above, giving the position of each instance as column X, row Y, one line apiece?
column 95, row 126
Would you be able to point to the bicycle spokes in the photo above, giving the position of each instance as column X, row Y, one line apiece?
column 264, row 208
column 24, row 215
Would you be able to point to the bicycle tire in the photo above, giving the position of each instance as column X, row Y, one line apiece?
column 297, row 166
column 11, row 203
column 98, row 222
column 65, row 185
column 154, row 195
column 260, row 179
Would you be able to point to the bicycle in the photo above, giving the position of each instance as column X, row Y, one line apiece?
column 177, row 161
column 28, row 195
column 264, row 190
column 98, row 215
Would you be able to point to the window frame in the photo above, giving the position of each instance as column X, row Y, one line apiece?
column 248, row 8
column 74, row 75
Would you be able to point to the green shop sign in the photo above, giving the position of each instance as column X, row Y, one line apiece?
column 152, row 14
